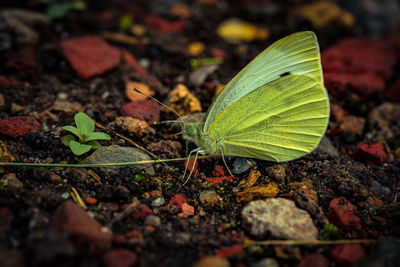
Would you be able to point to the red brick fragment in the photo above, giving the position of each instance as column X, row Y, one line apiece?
column 90, row 55
column 347, row 254
column 343, row 215
column 119, row 258
column 146, row 110
column 80, row 227
column 370, row 154
column 18, row 126
column 164, row 25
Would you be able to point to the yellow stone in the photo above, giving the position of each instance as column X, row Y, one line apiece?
column 236, row 30
column 324, row 13
column 196, row 48
column 5, row 156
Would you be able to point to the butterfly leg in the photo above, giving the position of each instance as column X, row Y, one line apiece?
column 187, row 163
column 226, row 165
column 198, row 150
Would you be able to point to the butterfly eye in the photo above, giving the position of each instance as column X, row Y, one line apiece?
column 189, row 129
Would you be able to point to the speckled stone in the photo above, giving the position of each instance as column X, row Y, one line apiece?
column 208, row 197
column 280, row 218
column 112, row 154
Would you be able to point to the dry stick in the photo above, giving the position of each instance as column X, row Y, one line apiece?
column 307, row 242
column 94, row 165
column 75, row 193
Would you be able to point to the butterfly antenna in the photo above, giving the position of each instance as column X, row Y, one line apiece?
column 159, row 102
column 169, row 121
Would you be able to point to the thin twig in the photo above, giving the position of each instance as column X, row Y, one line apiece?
column 307, row 242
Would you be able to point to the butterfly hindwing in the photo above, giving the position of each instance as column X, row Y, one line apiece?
column 280, row 121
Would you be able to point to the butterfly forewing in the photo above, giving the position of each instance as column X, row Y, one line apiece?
column 297, row 53
column 286, row 120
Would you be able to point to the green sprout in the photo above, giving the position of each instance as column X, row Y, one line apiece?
column 138, row 177
column 57, row 9
column 330, row 232
column 84, row 130
column 167, row 185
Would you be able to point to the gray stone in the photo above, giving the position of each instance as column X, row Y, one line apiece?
column 379, row 190
column 325, row 150
column 112, row 154
column 280, row 218
column 382, row 120
column 241, row 165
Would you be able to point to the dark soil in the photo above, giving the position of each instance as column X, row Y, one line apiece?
column 31, row 236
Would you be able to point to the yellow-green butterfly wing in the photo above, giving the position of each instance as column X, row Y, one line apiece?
column 280, row 121
column 297, row 53
column 276, row 108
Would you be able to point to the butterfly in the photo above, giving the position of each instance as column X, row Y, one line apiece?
column 275, row 109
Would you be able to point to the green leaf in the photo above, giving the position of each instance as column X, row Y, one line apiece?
column 79, row 5
column 78, row 148
column 97, row 136
column 84, row 123
column 67, row 139
column 73, row 130
column 59, row 10
column 125, row 22
column 94, row 144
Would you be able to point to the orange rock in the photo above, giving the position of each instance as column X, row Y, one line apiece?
column 135, row 96
column 133, row 125
column 181, row 10
column 182, row 101
column 269, row 190
column 251, row 179
column 187, row 210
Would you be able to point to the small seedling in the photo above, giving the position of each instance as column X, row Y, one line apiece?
column 84, row 130
column 167, row 185
column 330, row 232
column 57, row 9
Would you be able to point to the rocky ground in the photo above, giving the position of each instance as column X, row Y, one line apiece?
column 60, row 58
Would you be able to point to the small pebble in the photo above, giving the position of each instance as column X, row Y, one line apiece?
column 209, row 197
column 158, row 202
column 152, row 220
column 212, row 261
column 11, row 182
column 266, row 262
column 278, row 173
column 241, row 165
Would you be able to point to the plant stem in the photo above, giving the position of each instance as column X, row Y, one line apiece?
column 93, row 165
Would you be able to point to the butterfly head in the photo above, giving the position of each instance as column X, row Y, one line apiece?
column 190, row 131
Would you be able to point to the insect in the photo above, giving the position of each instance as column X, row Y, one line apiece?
column 275, row 109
